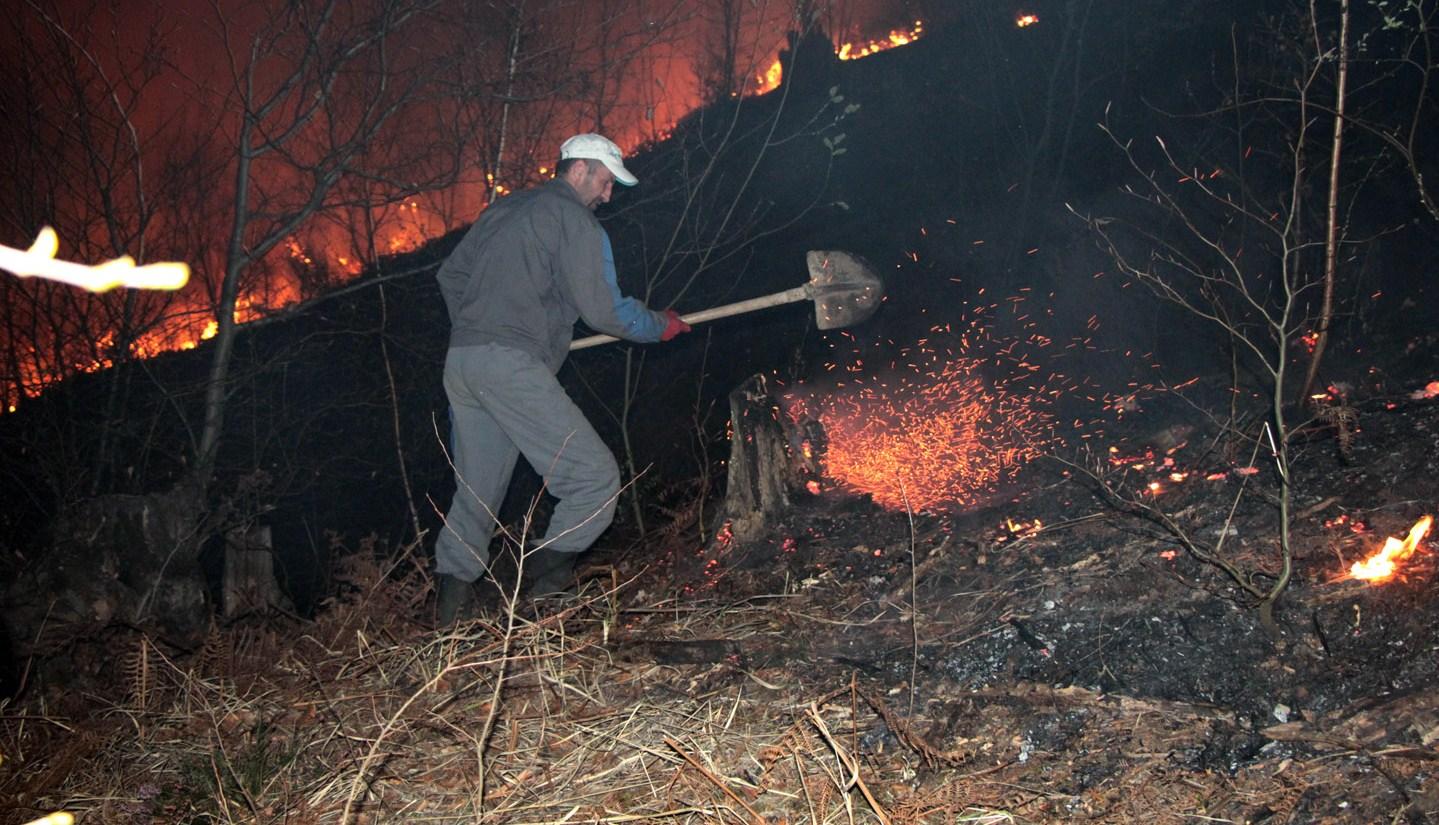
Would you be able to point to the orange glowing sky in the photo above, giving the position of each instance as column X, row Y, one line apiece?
column 656, row 89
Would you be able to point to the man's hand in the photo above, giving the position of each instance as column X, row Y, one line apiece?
column 674, row 327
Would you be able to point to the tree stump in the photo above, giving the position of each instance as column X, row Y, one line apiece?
column 249, row 582
column 772, row 458
column 127, row 559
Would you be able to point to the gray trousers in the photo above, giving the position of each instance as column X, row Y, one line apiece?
column 505, row 403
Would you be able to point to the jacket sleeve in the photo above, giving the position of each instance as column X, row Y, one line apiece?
column 586, row 265
column 640, row 323
column 454, row 275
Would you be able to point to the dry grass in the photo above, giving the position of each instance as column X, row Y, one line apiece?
column 601, row 711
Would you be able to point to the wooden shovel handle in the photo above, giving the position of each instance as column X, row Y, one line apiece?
column 789, row 296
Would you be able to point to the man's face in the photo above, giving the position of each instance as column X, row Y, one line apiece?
column 595, row 186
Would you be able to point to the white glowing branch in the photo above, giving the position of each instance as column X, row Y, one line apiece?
column 39, row 260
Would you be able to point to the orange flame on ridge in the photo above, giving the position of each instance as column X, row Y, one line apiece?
column 896, row 37
column 769, row 79
column 1383, row 564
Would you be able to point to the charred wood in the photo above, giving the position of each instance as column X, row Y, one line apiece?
column 767, row 463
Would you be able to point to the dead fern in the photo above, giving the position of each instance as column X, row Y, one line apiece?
column 794, row 740
column 684, row 516
column 211, row 659
column 138, row 670
column 1345, row 421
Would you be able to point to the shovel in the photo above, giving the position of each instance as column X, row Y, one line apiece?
column 844, row 289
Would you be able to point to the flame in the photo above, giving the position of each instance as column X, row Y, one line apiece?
column 190, row 320
column 1382, row 565
column 1021, row 529
column 39, row 261
column 896, row 37
column 1026, row 20
column 769, row 79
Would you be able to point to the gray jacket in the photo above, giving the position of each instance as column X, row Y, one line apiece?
column 531, row 266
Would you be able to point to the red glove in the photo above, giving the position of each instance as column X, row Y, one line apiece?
column 675, row 326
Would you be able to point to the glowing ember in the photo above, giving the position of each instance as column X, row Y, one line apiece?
column 945, row 434
column 1020, row 529
column 1385, row 563
column 1431, row 390
column 1344, row 521
column 1026, row 20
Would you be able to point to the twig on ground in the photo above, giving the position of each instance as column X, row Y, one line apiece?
column 932, row 756
column 850, row 765
column 705, row 772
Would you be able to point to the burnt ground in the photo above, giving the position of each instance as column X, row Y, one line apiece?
column 1042, row 618
column 1060, row 660
column 1110, row 600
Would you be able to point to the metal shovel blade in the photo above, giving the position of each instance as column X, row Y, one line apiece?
column 844, row 288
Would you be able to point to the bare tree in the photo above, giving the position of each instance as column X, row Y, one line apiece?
column 315, row 91
column 1399, row 54
column 1226, row 235
column 1331, row 213
column 625, row 33
column 722, row 68
column 307, row 97
column 1404, row 46
column 80, row 159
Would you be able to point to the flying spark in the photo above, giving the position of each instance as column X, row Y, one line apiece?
column 933, row 429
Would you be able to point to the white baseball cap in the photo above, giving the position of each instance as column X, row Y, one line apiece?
column 602, row 149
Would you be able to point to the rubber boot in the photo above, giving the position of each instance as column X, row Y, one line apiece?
column 456, row 598
column 552, row 573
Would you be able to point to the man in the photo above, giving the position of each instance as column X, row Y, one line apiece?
column 531, row 265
